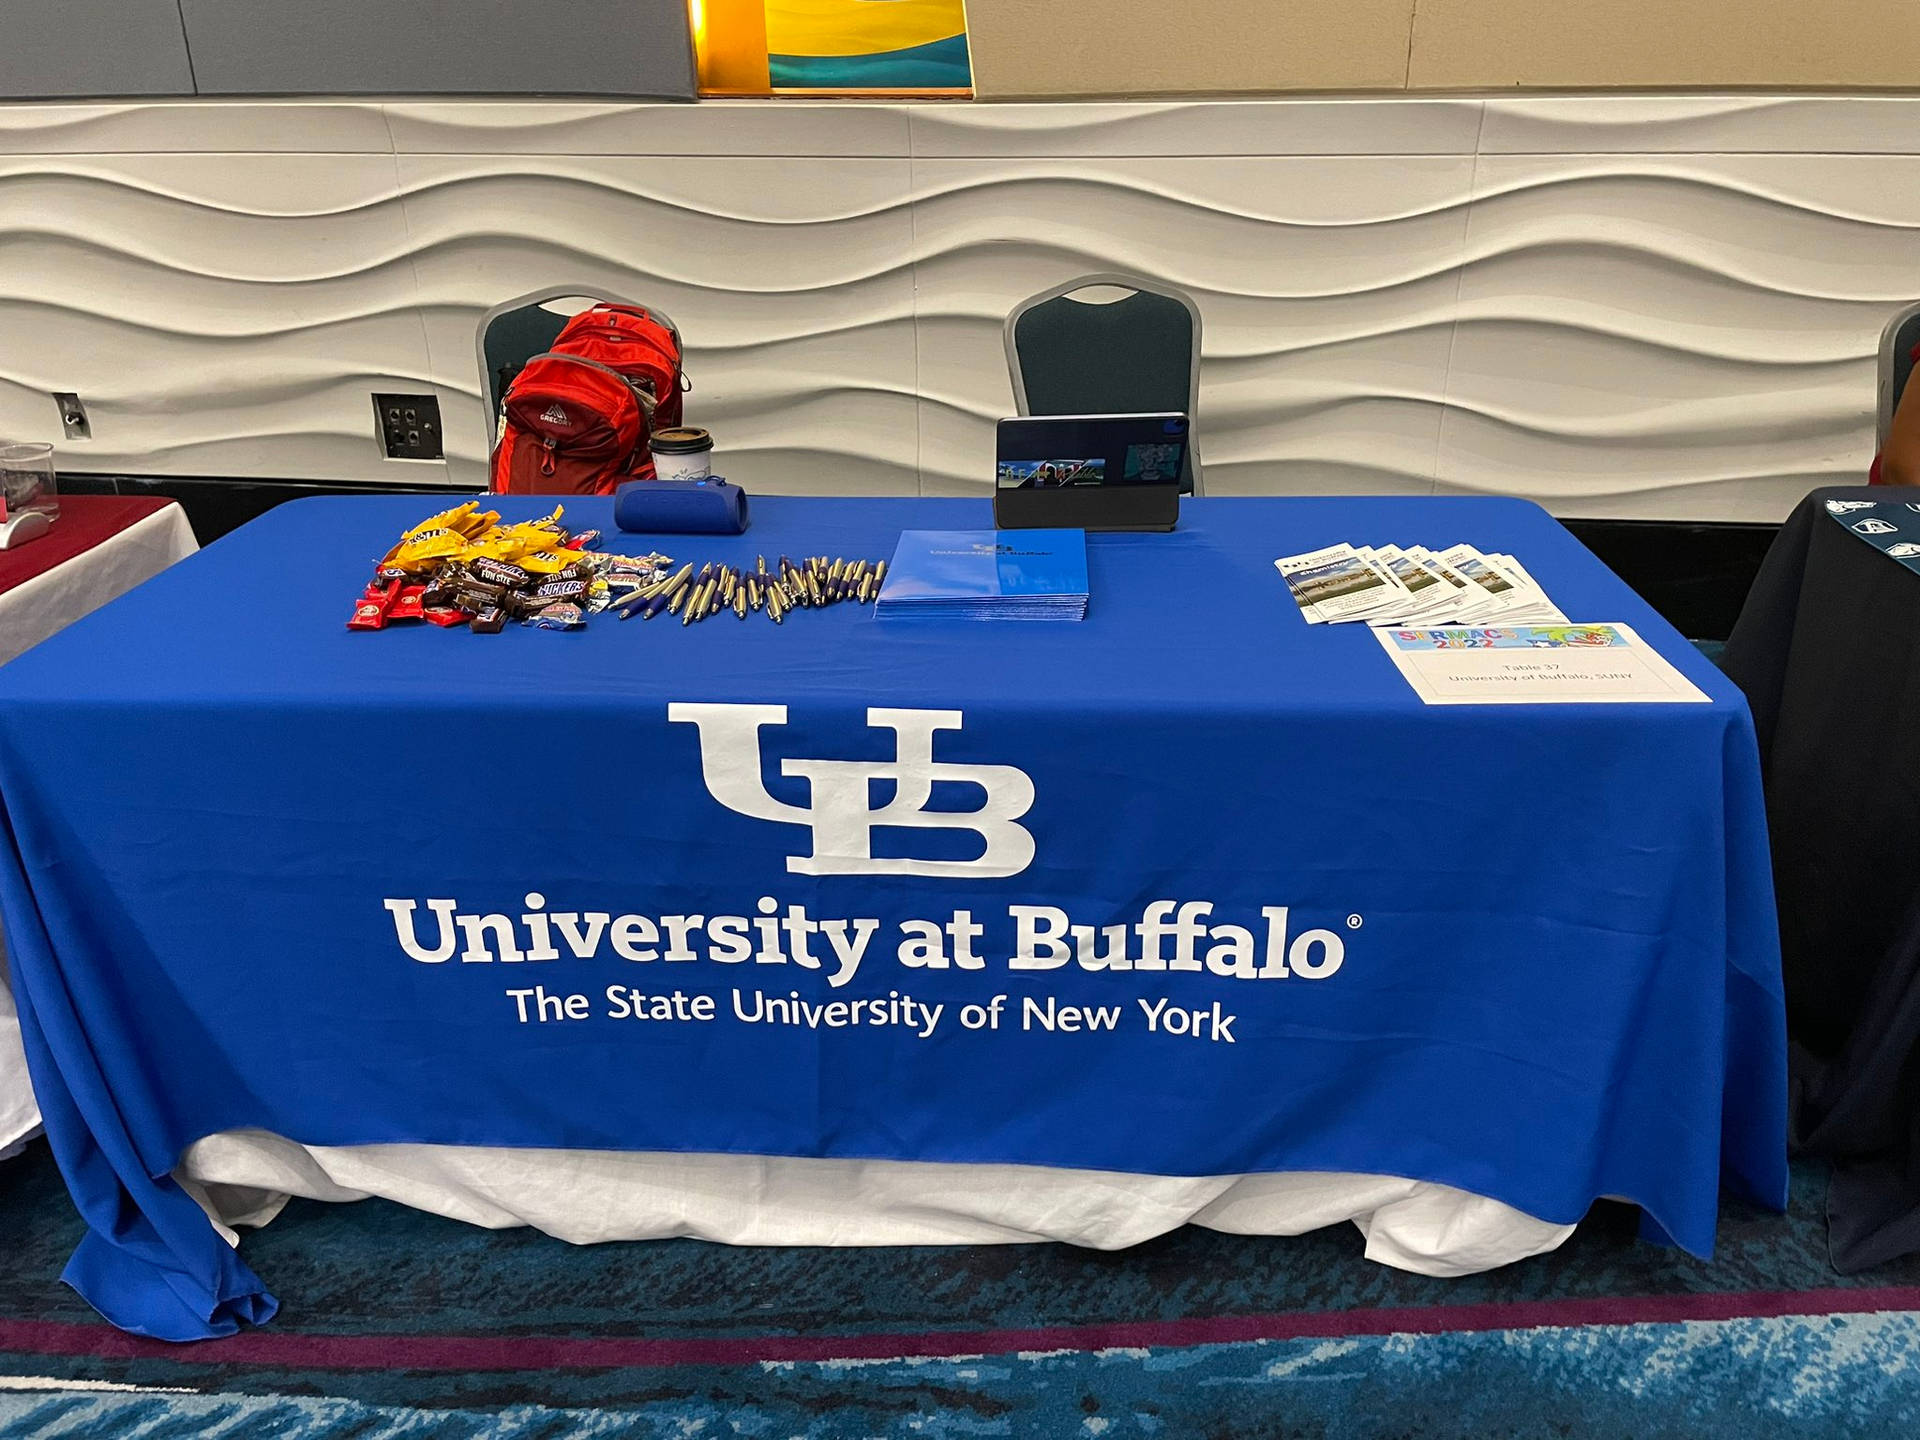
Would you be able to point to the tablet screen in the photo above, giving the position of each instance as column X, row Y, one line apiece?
column 1068, row 452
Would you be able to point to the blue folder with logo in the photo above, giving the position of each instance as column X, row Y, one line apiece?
column 987, row 575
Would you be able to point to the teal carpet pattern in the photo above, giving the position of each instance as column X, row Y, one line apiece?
column 401, row 1324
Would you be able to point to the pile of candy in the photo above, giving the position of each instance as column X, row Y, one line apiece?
column 463, row 567
column 815, row 582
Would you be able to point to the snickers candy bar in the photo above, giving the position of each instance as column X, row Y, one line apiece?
column 476, row 597
column 561, row 589
column 489, row 571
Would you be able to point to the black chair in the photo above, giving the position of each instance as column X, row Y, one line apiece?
column 1896, row 365
column 514, row 332
column 1102, row 356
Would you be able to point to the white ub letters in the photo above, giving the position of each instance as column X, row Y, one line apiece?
column 841, row 817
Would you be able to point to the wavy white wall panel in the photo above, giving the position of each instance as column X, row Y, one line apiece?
column 1699, row 124
column 305, row 127
column 1197, row 127
column 220, row 314
column 1630, row 305
column 715, row 127
column 1675, row 335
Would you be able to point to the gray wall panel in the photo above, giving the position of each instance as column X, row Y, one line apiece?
column 441, row 47
column 63, row 48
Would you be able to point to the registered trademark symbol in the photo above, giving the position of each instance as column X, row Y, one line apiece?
column 1353, row 922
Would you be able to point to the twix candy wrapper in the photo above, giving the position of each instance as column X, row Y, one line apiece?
column 371, row 611
column 407, row 603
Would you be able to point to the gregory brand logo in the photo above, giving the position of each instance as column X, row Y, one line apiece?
column 841, row 816
column 554, row 415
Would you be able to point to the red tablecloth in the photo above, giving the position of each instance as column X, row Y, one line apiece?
column 85, row 520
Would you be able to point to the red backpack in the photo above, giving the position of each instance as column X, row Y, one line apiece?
column 577, row 419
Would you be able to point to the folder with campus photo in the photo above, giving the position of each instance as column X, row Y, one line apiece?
column 987, row 575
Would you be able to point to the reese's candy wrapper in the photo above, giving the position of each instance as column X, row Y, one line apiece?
column 558, row 616
column 490, row 621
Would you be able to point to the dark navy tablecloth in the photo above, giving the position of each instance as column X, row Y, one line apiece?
column 1187, row 888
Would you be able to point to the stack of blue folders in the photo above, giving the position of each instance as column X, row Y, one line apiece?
column 987, row 575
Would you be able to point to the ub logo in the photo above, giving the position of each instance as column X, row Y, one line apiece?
column 1874, row 527
column 841, row 817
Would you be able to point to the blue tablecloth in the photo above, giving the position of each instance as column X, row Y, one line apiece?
column 250, row 860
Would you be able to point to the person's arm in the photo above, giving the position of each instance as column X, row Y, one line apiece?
column 1900, row 460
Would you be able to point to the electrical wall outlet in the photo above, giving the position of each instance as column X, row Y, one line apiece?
column 73, row 415
column 409, row 426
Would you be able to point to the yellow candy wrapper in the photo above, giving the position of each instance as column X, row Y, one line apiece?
column 547, row 562
column 440, row 538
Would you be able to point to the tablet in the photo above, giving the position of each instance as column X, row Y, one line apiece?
column 1089, row 472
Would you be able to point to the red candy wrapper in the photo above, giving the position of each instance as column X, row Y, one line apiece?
column 444, row 615
column 408, row 605
column 371, row 613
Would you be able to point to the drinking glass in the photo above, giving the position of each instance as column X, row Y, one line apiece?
column 26, row 479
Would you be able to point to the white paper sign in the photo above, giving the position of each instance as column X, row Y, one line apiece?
column 1534, row 665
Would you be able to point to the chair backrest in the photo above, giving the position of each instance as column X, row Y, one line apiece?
column 516, row 330
column 1896, row 365
column 1141, row 352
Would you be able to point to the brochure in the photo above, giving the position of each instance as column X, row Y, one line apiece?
column 1392, row 585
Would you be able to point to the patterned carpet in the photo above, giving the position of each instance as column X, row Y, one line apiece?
column 396, row 1323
